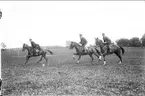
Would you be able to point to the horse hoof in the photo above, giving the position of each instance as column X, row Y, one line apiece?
column 100, row 58
column 73, row 57
column 120, row 62
column 43, row 65
column 104, row 62
column 78, row 62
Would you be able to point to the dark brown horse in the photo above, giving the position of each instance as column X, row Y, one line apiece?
column 118, row 50
column 79, row 51
column 33, row 53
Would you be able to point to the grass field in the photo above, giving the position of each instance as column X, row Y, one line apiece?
column 62, row 76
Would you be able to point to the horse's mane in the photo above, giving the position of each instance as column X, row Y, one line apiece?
column 27, row 45
column 76, row 43
column 99, row 40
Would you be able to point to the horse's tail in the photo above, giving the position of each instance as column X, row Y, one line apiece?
column 50, row 52
column 123, row 51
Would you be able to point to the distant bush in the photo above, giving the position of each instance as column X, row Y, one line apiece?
column 143, row 40
column 123, row 42
column 135, row 42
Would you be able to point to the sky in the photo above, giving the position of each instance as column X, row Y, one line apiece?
column 51, row 23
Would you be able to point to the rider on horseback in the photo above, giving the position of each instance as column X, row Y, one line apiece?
column 107, row 41
column 35, row 46
column 83, row 42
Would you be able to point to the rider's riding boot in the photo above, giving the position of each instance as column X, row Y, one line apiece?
column 110, row 49
column 37, row 51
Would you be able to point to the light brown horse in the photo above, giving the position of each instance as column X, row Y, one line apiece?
column 118, row 50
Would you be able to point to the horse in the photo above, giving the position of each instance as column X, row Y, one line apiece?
column 79, row 51
column 33, row 53
column 118, row 50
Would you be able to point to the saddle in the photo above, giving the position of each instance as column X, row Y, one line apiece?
column 35, row 51
column 112, row 45
column 85, row 49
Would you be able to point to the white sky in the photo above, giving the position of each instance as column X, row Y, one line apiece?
column 53, row 22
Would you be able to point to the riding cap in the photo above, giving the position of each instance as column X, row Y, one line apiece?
column 80, row 34
column 103, row 33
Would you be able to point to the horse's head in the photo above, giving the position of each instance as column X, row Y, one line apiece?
column 72, row 45
column 24, row 47
column 98, row 42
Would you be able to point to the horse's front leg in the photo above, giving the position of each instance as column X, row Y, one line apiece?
column 27, row 58
column 45, row 58
column 74, row 55
column 104, row 54
column 91, row 56
column 104, row 59
column 40, row 59
column 79, row 59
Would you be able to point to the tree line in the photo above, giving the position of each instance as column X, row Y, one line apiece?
column 133, row 42
column 124, row 42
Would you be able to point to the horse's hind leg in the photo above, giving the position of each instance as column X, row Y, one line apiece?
column 45, row 58
column 79, row 59
column 120, row 57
